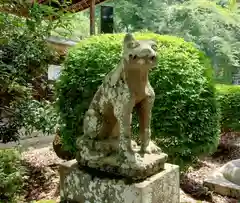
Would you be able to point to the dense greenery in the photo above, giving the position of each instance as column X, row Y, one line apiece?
column 212, row 28
column 25, row 56
column 229, row 98
column 212, row 25
column 136, row 15
column 11, row 174
column 185, row 115
column 80, row 27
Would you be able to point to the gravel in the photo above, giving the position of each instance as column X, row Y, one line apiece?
column 42, row 180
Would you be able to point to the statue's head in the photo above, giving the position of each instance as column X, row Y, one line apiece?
column 139, row 52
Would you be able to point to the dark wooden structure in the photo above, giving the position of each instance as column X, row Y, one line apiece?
column 107, row 19
column 75, row 6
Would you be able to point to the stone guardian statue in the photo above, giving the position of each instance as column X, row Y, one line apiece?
column 107, row 143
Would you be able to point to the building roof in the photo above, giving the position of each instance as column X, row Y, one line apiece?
column 76, row 5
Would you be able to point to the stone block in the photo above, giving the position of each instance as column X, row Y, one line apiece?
column 81, row 186
column 149, row 164
column 219, row 184
column 231, row 171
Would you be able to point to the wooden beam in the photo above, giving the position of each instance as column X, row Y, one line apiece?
column 92, row 17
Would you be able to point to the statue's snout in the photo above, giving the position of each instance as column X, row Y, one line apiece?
column 147, row 53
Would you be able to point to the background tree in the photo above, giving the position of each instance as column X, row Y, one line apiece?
column 213, row 26
column 136, row 15
column 25, row 56
column 80, row 27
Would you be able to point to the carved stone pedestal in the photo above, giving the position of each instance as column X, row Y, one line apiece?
column 103, row 156
column 83, row 186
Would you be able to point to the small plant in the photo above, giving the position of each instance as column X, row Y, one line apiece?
column 11, row 174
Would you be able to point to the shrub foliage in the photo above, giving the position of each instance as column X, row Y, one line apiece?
column 11, row 174
column 185, row 119
column 24, row 59
column 229, row 98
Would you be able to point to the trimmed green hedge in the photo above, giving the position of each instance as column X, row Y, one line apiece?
column 229, row 99
column 185, row 120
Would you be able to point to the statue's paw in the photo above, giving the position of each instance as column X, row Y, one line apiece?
column 151, row 149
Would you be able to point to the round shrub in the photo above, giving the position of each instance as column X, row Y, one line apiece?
column 229, row 99
column 11, row 174
column 185, row 120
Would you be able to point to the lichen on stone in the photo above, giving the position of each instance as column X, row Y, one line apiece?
column 108, row 119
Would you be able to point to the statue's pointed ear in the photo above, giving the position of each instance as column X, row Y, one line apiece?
column 128, row 38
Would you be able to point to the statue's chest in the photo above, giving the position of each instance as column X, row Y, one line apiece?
column 133, row 93
column 138, row 89
column 118, row 93
column 124, row 92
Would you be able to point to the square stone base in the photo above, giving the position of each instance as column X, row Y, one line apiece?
column 81, row 186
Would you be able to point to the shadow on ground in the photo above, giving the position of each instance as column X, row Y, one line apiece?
column 194, row 189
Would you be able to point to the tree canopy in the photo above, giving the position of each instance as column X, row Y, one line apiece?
column 213, row 26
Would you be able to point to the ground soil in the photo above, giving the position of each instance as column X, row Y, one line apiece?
column 42, row 179
column 192, row 181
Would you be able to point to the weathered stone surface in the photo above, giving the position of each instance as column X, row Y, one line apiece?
column 106, row 143
column 145, row 166
column 105, row 157
column 79, row 186
column 221, row 180
column 231, row 171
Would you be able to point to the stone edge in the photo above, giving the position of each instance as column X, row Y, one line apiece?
column 216, row 182
column 68, row 166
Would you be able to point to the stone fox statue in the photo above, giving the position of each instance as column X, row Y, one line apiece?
column 127, row 86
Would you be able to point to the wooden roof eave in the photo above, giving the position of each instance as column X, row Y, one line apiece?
column 83, row 5
column 76, row 7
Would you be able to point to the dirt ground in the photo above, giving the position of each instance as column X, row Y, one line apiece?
column 42, row 180
column 192, row 182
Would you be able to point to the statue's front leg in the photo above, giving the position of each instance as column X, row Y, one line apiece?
column 145, row 114
column 123, row 111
